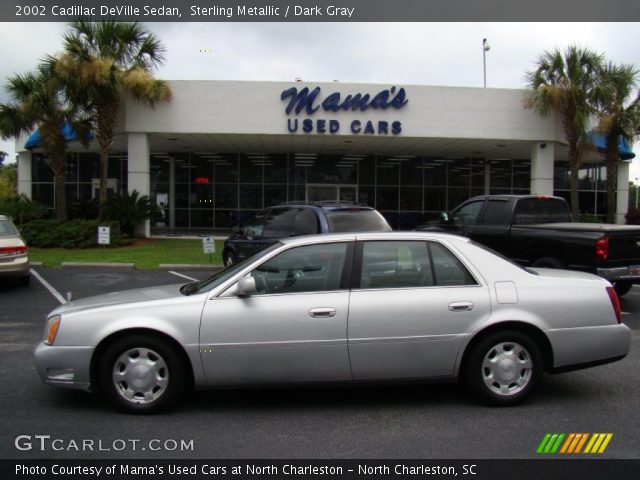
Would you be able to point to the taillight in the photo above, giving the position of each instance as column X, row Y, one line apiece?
column 602, row 248
column 615, row 303
column 12, row 250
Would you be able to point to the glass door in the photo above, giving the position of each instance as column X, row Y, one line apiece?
column 332, row 193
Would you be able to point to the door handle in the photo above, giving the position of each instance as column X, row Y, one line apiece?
column 322, row 312
column 460, row 306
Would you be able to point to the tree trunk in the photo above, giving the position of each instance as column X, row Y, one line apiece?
column 574, row 166
column 611, row 159
column 106, row 120
column 57, row 160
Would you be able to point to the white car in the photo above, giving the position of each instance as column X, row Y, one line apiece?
column 14, row 258
column 352, row 307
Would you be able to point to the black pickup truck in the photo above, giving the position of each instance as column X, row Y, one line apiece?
column 537, row 231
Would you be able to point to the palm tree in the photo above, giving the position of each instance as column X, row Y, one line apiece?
column 104, row 61
column 618, row 105
column 563, row 84
column 39, row 101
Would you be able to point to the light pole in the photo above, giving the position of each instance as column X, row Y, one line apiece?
column 485, row 48
column 636, row 182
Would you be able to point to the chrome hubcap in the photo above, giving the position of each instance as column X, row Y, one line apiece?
column 507, row 368
column 140, row 375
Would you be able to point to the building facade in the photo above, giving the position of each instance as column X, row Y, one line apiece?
column 222, row 150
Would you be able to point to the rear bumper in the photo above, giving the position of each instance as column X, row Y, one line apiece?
column 618, row 274
column 67, row 367
column 14, row 266
column 575, row 348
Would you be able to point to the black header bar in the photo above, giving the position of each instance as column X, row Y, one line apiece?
column 322, row 10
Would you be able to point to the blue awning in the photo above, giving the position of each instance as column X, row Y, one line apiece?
column 68, row 133
column 624, row 149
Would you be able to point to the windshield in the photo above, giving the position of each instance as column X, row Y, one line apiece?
column 224, row 274
column 498, row 254
column 6, row 229
column 356, row 220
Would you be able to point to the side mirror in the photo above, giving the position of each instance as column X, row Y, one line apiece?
column 246, row 286
column 444, row 217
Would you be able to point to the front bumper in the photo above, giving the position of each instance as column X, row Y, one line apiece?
column 581, row 347
column 67, row 367
column 618, row 274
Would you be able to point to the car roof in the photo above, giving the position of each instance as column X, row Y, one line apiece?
column 398, row 235
column 4, row 217
column 326, row 205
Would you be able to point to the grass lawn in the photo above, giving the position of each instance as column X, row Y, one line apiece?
column 147, row 253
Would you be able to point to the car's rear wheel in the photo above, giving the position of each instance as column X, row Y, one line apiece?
column 622, row 287
column 503, row 368
column 141, row 374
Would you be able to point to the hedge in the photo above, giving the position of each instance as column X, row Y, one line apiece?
column 70, row 234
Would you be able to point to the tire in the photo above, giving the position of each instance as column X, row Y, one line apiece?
column 514, row 382
column 548, row 262
column 157, row 384
column 622, row 287
column 229, row 258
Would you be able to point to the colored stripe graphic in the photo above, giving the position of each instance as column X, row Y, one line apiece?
column 573, row 443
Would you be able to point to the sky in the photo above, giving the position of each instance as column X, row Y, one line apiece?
column 448, row 54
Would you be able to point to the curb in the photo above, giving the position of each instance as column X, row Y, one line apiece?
column 35, row 264
column 97, row 265
column 189, row 266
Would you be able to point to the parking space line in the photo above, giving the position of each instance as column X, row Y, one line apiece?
column 48, row 286
column 183, row 276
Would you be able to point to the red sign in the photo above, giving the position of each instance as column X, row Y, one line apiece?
column 201, row 180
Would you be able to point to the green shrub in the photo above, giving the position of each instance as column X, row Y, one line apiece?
column 70, row 234
column 129, row 210
column 20, row 208
column 85, row 209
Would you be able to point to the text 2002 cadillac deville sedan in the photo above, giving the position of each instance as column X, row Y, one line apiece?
column 339, row 308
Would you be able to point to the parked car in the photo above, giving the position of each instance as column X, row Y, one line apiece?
column 339, row 308
column 14, row 259
column 537, row 230
column 293, row 219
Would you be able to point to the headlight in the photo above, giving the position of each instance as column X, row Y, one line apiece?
column 51, row 329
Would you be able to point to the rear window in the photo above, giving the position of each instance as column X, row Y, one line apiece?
column 541, row 210
column 6, row 229
column 356, row 221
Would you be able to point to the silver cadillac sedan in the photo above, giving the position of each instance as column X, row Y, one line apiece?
column 339, row 308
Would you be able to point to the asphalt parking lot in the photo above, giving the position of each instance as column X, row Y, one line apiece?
column 419, row 421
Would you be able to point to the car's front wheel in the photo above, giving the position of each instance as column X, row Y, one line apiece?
column 503, row 368
column 229, row 258
column 142, row 374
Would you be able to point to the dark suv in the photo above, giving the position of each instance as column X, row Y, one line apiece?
column 293, row 219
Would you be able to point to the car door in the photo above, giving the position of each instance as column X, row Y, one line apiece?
column 413, row 304
column 293, row 329
column 492, row 228
column 464, row 218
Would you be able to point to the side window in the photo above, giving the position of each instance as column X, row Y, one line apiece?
column 312, row 268
column 255, row 226
column 530, row 211
column 496, row 213
column 395, row 264
column 448, row 270
column 279, row 222
column 468, row 214
column 306, row 222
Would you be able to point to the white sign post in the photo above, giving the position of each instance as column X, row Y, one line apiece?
column 104, row 238
column 209, row 246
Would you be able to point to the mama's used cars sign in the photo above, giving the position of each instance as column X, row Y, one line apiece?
column 307, row 102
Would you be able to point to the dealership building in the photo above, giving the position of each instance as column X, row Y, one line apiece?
column 220, row 151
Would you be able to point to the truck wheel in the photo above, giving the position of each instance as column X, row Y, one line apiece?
column 548, row 262
column 142, row 374
column 503, row 368
column 622, row 287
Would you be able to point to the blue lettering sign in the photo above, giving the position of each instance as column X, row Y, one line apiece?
column 306, row 100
